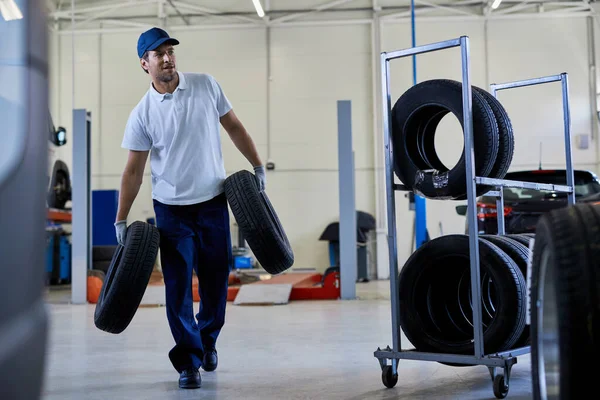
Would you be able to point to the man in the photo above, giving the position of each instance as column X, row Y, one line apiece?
column 177, row 120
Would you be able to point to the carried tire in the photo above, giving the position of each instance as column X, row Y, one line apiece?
column 127, row 278
column 415, row 117
column 565, row 310
column 435, row 297
column 258, row 222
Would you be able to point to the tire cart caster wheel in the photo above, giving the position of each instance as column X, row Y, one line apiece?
column 388, row 378
column 500, row 389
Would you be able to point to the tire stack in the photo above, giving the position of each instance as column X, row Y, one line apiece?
column 435, row 300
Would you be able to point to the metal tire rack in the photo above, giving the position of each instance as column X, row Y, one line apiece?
column 505, row 359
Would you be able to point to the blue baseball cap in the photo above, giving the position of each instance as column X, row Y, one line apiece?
column 153, row 38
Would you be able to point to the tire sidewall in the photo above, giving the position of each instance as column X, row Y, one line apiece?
column 543, row 243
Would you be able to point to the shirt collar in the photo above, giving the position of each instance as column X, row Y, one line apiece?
column 161, row 96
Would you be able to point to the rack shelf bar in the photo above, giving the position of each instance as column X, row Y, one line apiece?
column 514, row 352
column 489, row 361
column 524, row 185
column 422, row 49
column 527, row 82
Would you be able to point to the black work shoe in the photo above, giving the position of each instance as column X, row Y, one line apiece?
column 190, row 379
column 210, row 360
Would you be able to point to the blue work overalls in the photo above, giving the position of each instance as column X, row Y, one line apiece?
column 194, row 237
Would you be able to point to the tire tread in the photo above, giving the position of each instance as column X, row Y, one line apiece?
column 127, row 278
column 259, row 223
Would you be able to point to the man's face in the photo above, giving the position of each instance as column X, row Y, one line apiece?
column 161, row 63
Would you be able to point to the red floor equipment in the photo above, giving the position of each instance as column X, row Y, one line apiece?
column 305, row 285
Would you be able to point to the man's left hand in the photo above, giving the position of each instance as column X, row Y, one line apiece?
column 261, row 177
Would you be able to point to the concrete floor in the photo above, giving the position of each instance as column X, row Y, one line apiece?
column 302, row 350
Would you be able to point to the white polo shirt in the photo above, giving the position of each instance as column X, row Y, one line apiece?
column 182, row 130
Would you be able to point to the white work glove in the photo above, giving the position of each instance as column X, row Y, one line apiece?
column 261, row 177
column 121, row 230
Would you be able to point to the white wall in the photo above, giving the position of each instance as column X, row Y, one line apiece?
column 312, row 68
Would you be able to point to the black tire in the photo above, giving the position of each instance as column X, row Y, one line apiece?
column 506, row 146
column 59, row 190
column 521, row 238
column 415, row 117
column 520, row 255
column 516, row 250
column 127, row 278
column 103, row 253
column 258, row 222
column 565, row 289
column 435, row 319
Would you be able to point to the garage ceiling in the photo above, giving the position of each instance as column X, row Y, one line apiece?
column 95, row 15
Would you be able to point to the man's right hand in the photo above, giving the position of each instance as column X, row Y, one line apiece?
column 121, row 230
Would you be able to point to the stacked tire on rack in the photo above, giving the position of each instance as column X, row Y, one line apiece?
column 415, row 117
column 434, row 284
column 435, row 295
column 565, row 303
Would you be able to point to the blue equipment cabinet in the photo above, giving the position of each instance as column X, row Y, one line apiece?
column 58, row 257
column 104, row 212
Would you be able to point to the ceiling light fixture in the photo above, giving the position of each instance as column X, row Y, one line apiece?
column 496, row 4
column 258, row 6
column 9, row 10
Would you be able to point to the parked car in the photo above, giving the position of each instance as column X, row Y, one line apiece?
column 523, row 207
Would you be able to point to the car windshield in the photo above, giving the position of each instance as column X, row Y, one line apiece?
column 585, row 184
